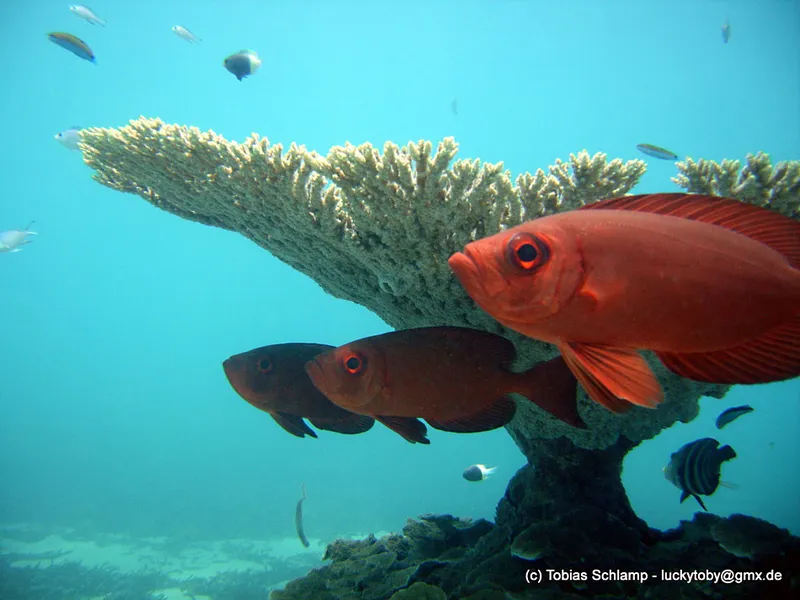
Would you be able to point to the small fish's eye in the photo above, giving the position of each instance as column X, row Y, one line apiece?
column 354, row 363
column 527, row 252
column 264, row 365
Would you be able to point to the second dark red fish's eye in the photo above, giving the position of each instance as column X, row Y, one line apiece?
column 354, row 363
column 527, row 252
column 264, row 365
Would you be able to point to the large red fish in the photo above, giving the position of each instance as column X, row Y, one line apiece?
column 712, row 285
column 273, row 379
column 454, row 378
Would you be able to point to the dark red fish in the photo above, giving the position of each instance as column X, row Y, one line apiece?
column 712, row 285
column 273, row 379
column 454, row 378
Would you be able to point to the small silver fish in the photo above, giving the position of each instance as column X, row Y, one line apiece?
column 726, row 32
column 656, row 151
column 185, row 34
column 69, row 138
column 477, row 472
column 85, row 13
column 243, row 63
column 726, row 416
column 454, row 106
column 11, row 240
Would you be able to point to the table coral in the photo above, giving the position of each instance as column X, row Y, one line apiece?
column 377, row 228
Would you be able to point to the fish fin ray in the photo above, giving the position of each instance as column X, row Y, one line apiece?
column 618, row 373
column 553, row 386
column 773, row 356
column 350, row 425
column 496, row 415
column 293, row 424
column 410, row 429
column 769, row 227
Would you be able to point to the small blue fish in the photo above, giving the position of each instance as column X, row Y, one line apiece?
column 656, row 151
column 726, row 32
column 11, row 240
column 70, row 138
column 76, row 46
column 243, row 63
column 726, row 416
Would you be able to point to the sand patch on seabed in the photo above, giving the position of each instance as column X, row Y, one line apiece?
column 30, row 546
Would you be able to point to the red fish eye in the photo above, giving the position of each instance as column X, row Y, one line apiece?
column 527, row 252
column 264, row 365
column 354, row 363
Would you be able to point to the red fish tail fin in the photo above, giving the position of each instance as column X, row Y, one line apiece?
column 551, row 386
column 613, row 377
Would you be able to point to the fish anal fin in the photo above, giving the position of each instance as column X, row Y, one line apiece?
column 494, row 416
column 769, row 227
column 613, row 376
column 700, row 502
column 349, row 425
column 773, row 356
column 293, row 424
column 410, row 429
column 552, row 386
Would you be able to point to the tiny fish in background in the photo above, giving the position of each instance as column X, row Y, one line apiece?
column 69, row 138
column 185, row 34
column 477, row 472
column 11, row 240
column 75, row 45
column 656, row 151
column 726, row 31
column 242, row 64
column 695, row 468
column 85, row 13
column 726, row 416
column 298, row 519
column 454, row 106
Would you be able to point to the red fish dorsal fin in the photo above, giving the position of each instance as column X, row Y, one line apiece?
column 771, row 228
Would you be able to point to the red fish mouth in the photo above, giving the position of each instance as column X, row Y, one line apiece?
column 478, row 283
column 232, row 373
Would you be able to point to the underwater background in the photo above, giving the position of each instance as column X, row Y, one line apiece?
column 115, row 416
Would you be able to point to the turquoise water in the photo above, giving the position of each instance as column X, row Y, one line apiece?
column 116, row 415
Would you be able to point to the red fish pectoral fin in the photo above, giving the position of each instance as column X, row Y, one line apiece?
column 293, row 424
column 410, row 429
column 496, row 415
column 613, row 376
column 774, row 356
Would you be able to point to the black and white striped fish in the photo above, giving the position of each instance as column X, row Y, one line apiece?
column 694, row 469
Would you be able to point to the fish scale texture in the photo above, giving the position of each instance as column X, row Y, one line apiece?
column 378, row 227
